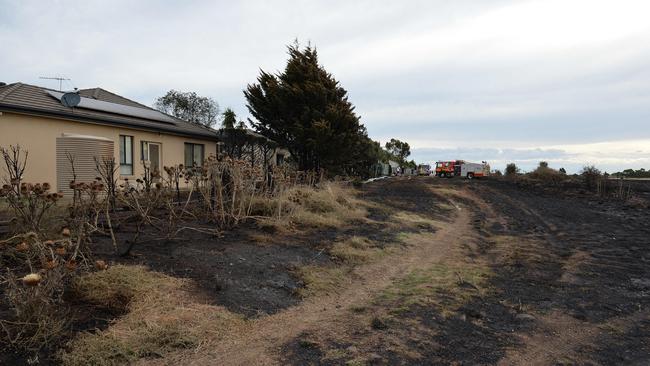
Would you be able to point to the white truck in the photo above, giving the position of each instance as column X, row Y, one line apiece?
column 473, row 170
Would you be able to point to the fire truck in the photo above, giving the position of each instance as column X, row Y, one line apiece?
column 461, row 168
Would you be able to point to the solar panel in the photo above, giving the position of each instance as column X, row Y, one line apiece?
column 125, row 110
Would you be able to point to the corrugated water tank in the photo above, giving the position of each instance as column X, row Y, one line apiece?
column 84, row 150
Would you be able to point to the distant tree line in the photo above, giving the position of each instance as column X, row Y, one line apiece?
column 631, row 173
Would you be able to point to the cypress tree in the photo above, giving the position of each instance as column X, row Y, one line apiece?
column 305, row 109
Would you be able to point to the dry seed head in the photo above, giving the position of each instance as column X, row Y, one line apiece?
column 71, row 264
column 22, row 247
column 32, row 279
column 50, row 264
column 101, row 265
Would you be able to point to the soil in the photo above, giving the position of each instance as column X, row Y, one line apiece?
column 245, row 275
column 568, row 283
column 571, row 285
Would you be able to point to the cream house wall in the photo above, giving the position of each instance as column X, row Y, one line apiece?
column 38, row 136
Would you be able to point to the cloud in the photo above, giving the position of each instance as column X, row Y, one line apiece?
column 439, row 74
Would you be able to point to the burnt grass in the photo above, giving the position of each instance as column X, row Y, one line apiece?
column 552, row 225
column 256, row 278
column 234, row 270
column 252, row 278
column 613, row 283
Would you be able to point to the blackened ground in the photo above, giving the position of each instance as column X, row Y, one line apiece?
column 550, row 252
column 571, row 253
column 253, row 278
column 590, row 259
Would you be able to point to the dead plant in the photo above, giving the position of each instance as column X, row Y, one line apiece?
column 40, row 270
column 15, row 159
column 30, row 203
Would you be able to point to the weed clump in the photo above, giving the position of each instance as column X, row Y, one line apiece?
column 328, row 205
column 115, row 288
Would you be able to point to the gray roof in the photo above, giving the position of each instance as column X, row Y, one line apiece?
column 31, row 99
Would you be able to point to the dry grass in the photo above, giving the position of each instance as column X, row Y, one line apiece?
column 413, row 220
column 332, row 204
column 351, row 252
column 321, row 280
column 38, row 317
column 161, row 317
column 446, row 192
column 116, row 287
column 356, row 250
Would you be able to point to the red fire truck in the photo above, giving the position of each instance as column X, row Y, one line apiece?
column 448, row 169
column 456, row 168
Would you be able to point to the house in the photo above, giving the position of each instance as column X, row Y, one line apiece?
column 248, row 145
column 94, row 124
column 394, row 167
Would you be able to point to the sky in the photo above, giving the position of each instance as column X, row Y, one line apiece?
column 564, row 81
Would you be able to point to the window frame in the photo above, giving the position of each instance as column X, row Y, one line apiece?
column 122, row 148
column 146, row 143
column 192, row 147
column 147, row 160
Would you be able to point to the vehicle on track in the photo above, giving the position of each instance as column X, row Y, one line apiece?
column 424, row 169
column 462, row 168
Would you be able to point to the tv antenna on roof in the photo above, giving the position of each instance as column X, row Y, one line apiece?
column 60, row 79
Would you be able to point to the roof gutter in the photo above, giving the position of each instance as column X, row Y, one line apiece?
column 100, row 121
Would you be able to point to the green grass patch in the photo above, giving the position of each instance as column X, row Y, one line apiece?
column 443, row 285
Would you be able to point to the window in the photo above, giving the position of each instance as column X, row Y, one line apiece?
column 150, row 154
column 126, row 155
column 144, row 151
column 193, row 154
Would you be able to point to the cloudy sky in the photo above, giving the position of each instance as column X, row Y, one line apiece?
column 567, row 81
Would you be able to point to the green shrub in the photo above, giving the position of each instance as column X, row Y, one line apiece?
column 590, row 175
column 547, row 175
column 512, row 169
